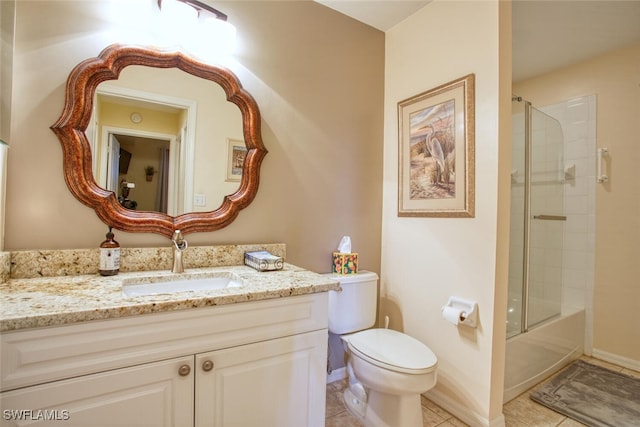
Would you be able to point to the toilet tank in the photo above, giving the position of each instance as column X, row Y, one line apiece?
column 354, row 308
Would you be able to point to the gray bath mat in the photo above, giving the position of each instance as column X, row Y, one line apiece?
column 595, row 396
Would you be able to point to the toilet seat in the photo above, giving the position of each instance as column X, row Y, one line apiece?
column 393, row 350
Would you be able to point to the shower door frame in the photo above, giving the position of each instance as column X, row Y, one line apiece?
column 524, row 302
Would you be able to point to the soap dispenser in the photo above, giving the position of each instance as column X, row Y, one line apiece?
column 109, row 256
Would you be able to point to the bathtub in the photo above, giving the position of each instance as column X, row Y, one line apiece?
column 535, row 355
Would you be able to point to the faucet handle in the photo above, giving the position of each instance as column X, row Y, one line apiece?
column 179, row 241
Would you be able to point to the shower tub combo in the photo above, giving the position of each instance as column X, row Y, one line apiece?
column 543, row 334
column 533, row 356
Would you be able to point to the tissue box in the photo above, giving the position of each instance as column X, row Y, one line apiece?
column 263, row 261
column 345, row 263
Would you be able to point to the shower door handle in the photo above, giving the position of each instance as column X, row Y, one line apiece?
column 550, row 217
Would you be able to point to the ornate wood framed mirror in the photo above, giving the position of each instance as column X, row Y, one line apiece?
column 78, row 158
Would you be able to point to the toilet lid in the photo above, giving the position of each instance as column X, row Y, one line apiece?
column 393, row 350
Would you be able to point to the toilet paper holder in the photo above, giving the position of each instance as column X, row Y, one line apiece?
column 465, row 310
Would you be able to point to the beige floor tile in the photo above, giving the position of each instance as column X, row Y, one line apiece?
column 453, row 421
column 568, row 422
column 335, row 404
column 342, row 420
column 520, row 412
column 523, row 412
column 430, row 418
column 426, row 403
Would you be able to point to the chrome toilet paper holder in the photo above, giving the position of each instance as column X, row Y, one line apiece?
column 465, row 310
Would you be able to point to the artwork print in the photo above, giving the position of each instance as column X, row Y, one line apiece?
column 437, row 150
column 432, row 152
column 236, row 152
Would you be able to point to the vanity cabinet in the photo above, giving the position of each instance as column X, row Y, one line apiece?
column 273, row 383
column 257, row 363
column 153, row 394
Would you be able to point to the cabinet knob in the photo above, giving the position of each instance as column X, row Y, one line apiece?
column 184, row 370
column 207, row 365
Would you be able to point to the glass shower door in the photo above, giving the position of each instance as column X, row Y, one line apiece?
column 537, row 218
column 546, row 218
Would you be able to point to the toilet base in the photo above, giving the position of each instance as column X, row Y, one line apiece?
column 385, row 410
column 355, row 406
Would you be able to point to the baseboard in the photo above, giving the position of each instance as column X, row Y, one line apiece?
column 461, row 412
column 625, row 362
column 337, row 375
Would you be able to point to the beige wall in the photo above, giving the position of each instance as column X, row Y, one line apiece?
column 427, row 260
column 318, row 78
column 7, row 15
column 614, row 79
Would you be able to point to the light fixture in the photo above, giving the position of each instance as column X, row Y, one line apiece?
column 197, row 27
column 136, row 117
column 202, row 7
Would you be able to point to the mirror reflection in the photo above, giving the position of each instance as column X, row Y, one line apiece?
column 164, row 140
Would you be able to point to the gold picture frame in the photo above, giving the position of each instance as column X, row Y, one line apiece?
column 236, row 152
column 436, row 162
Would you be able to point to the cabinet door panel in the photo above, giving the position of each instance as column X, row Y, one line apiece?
column 152, row 394
column 276, row 383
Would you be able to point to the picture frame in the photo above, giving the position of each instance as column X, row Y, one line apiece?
column 436, row 162
column 236, row 152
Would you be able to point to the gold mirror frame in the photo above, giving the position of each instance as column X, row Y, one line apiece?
column 72, row 124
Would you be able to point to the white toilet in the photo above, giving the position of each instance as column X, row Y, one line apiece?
column 388, row 370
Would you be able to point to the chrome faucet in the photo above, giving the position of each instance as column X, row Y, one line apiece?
column 179, row 245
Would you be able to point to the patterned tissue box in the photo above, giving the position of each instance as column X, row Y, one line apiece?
column 345, row 263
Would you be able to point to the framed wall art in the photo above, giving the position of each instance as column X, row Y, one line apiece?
column 437, row 151
column 236, row 152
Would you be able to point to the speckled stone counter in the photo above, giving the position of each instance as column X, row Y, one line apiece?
column 57, row 300
column 5, row 266
column 31, row 303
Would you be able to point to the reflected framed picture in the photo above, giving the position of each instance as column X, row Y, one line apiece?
column 437, row 151
column 236, row 152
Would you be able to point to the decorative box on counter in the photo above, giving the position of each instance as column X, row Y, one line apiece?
column 345, row 263
column 263, row 261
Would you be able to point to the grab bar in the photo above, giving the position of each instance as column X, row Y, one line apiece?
column 550, row 217
column 602, row 177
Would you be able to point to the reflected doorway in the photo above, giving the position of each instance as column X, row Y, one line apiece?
column 139, row 169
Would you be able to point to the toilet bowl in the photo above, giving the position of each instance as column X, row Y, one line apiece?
column 387, row 369
column 393, row 369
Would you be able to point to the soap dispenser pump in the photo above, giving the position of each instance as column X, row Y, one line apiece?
column 109, row 256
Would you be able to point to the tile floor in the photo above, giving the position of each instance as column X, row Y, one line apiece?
column 520, row 412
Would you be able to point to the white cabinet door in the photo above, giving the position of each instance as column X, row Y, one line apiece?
column 275, row 383
column 154, row 394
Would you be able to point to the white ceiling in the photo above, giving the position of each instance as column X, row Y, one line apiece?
column 546, row 34
column 379, row 14
column 553, row 34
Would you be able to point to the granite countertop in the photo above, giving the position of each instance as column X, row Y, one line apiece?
column 51, row 301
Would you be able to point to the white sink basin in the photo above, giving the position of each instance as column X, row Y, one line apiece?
column 171, row 285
